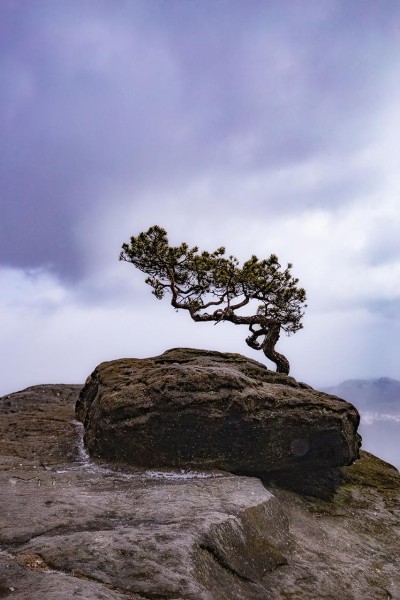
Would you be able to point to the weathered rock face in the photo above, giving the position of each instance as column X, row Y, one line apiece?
column 212, row 410
column 26, row 415
column 74, row 528
column 71, row 528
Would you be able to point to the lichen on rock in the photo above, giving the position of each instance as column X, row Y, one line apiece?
column 213, row 410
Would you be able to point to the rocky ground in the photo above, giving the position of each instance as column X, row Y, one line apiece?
column 77, row 528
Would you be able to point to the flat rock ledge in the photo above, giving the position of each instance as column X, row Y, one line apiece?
column 209, row 410
column 74, row 527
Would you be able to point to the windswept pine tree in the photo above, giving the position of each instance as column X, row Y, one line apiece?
column 214, row 287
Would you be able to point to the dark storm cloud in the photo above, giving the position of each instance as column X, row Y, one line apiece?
column 150, row 94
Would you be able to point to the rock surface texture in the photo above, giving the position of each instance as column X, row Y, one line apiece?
column 72, row 527
column 211, row 410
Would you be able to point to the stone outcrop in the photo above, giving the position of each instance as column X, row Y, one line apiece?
column 211, row 410
column 27, row 415
column 72, row 527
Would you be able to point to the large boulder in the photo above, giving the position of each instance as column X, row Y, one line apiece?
column 203, row 409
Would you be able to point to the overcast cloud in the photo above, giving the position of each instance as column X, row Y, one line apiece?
column 264, row 126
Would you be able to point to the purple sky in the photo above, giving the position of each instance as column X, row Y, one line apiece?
column 265, row 126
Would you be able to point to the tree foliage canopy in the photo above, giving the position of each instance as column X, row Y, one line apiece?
column 214, row 287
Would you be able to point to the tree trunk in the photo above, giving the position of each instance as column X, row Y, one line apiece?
column 271, row 331
column 268, row 347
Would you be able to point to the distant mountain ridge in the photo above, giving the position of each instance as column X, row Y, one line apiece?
column 378, row 395
column 378, row 402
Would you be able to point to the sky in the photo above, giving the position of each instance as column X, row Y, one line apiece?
column 265, row 126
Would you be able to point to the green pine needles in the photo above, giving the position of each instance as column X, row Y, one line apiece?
column 214, row 287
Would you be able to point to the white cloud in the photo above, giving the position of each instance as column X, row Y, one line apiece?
column 63, row 342
column 51, row 333
column 35, row 289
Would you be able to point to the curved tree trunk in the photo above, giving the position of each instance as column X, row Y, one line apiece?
column 268, row 347
column 271, row 333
